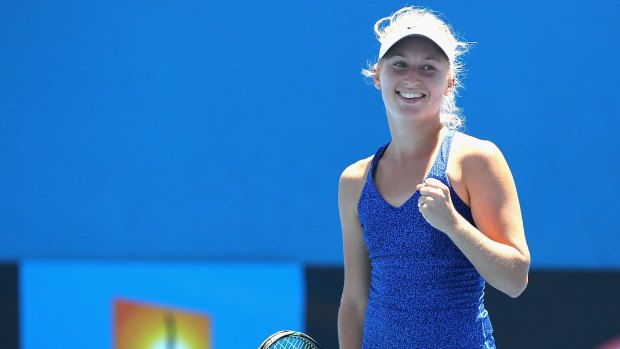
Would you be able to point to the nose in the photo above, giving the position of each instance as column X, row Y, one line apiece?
column 412, row 76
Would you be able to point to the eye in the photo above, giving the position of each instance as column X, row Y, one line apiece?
column 400, row 64
column 428, row 67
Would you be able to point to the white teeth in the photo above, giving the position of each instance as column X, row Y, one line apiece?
column 411, row 94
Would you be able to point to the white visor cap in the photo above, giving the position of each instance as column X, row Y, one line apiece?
column 438, row 36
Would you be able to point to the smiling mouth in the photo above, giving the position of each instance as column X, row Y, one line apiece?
column 411, row 95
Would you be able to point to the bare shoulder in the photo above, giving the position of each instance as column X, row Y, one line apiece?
column 472, row 149
column 352, row 180
column 356, row 171
column 477, row 158
column 475, row 164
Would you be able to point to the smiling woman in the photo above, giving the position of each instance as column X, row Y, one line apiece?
column 410, row 21
column 417, row 70
column 434, row 214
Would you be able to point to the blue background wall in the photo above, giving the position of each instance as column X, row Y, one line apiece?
column 218, row 130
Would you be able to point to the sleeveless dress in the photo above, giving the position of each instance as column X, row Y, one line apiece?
column 424, row 293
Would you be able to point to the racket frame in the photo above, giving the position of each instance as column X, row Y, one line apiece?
column 286, row 333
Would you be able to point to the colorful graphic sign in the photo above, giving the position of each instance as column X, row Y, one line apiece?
column 144, row 326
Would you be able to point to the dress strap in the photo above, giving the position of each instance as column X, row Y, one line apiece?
column 438, row 169
column 375, row 159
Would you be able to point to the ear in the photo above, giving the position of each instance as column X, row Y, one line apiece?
column 376, row 79
column 450, row 87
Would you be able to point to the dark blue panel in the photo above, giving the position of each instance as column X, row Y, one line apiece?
column 9, row 305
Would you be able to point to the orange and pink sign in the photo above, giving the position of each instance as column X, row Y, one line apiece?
column 145, row 326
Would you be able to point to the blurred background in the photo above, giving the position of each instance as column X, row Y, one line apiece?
column 186, row 154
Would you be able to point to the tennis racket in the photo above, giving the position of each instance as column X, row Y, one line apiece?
column 289, row 340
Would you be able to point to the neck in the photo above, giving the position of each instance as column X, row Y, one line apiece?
column 416, row 138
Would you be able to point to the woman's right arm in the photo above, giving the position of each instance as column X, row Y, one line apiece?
column 356, row 261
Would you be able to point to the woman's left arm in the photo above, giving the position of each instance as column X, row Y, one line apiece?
column 496, row 246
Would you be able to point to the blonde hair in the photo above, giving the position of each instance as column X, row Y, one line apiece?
column 450, row 113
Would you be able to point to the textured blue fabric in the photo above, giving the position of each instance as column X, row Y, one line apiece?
column 424, row 293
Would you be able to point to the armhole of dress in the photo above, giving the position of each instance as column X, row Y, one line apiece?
column 452, row 191
column 375, row 159
column 452, row 133
column 369, row 180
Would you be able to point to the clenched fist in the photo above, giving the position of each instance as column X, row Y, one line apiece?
column 436, row 205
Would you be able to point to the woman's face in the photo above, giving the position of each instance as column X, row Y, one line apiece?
column 413, row 78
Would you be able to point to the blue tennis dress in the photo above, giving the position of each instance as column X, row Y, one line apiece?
column 424, row 293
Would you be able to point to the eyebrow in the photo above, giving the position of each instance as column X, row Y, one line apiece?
column 427, row 58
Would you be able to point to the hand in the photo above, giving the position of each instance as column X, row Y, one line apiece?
column 436, row 205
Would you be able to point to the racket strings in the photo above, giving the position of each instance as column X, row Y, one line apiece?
column 292, row 343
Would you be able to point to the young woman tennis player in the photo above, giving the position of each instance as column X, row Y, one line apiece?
column 433, row 214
